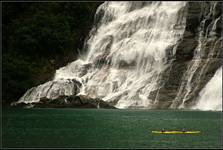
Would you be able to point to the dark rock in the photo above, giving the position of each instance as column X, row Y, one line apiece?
column 209, row 61
column 161, row 105
column 20, row 105
column 72, row 102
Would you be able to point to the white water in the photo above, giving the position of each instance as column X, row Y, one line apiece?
column 135, row 44
column 210, row 97
column 136, row 41
column 197, row 68
column 51, row 89
column 129, row 48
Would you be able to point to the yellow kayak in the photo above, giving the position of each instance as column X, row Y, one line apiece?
column 176, row 132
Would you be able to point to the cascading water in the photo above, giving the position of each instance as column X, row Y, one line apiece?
column 210, row 97
column 130, row 47
column 209, row 47
column 127, row 53
column 131, row 50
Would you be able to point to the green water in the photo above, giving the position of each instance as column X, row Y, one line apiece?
column 100, row 128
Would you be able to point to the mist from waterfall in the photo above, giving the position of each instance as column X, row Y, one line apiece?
column 210, row 97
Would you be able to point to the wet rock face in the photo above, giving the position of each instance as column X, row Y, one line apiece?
column 52, row 90
column 205, row 62
column 173, row 75
column 186, row 47
column 195, row 15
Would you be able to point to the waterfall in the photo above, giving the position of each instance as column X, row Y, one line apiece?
column 131, row 46
column 207, row 50
column 210, row 97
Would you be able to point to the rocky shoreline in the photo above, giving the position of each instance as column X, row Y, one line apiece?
column 72, row 101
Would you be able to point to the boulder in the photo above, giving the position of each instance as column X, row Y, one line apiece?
column 72, row 101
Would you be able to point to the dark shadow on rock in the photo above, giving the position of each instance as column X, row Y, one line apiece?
column 72, row 101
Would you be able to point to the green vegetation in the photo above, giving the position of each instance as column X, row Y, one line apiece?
column 39, row 38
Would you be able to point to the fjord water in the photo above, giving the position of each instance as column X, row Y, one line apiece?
column 103, row 128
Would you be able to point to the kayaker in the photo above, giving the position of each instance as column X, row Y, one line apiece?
column 163, row 130
column 183, row 130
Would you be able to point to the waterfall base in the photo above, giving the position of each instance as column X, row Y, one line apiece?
column 68, row 102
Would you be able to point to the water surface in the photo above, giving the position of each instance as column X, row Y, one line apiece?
column 103, row 128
